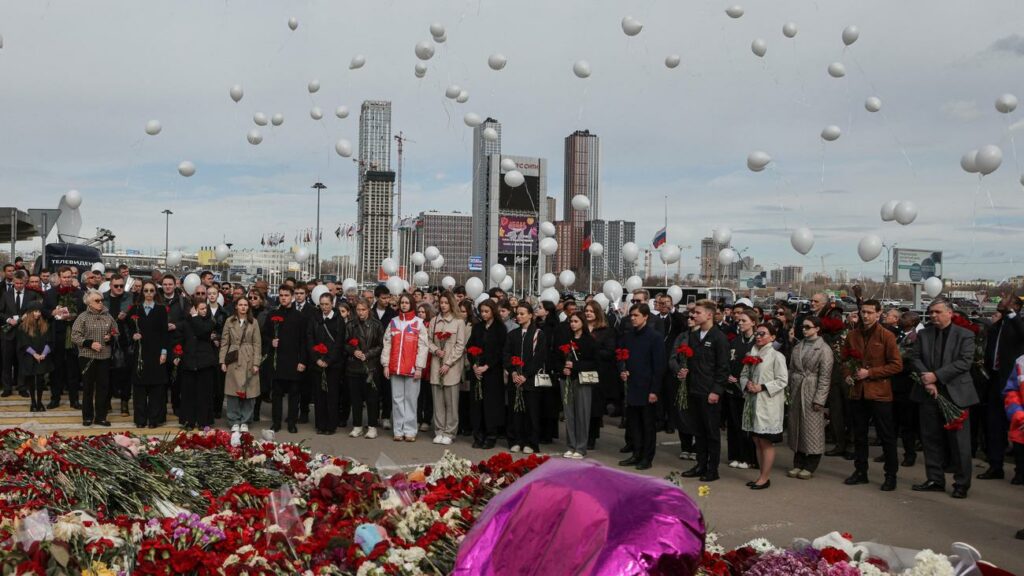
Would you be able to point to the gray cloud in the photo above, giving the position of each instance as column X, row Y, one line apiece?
column 1013, row 44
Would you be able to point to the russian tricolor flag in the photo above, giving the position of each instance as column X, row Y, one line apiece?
column 660, row 237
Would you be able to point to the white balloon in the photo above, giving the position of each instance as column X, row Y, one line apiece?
column 548, row 246
column 389, row 266
column 1006, row 103
column 580, row 202
column 315, row 295
column 316, row 113
column 727, row 256
column 758, row 160
column 548, row 280
column 472, row 119
column 73, row 198
column 612, row 289
column 836, row 70
column 357, row 62
column 581, row 68
column 341, row 112
column 421, row 278
column 260, row 119
column 508, row 164
column 463, row 97
column 967, row 162
column 602, row 301
column 634, row 283
column 547, row 228
column 873, row 104
column 550, row 295
column 441, row 39
column 254, row 137
column 497, row 61
column 190, row 283
column 490, row 134
column 498, row 273
column 395, row 285
column 173, row 258
column 424, row 50
column 236, row 92
column 596, row 249
column 452, row 91
column 670, row 253
column 735, row 11
column 831, row 133
column 514, row 178
column 420, row 70
column 759, row 47
column 105, row 287
column 431, row 253
column 672, row 60
column 349, row 284
column 437, row 263
column 293, row 23
column 566, row 278
column 437, row 29
column 222, row 252
column 313, row 86
column 506, row 283
column 631, row 26
column 448, row 282
column 933, row 286
column 850, row 34
column 789, row 29
column 277, row 119
column 474, row 287
column 153, row 127
column 675, row 293
column 869, row 247
column 343, row 148
column 186, row 169
column 888, row 211
column 630, row 252
column 905, row 212
column 418, row 259
column 802, row 240
column 989, row 158
column 722, row 235
column 301, row 254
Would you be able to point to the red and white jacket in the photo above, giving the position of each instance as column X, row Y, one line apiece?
column 405, row 345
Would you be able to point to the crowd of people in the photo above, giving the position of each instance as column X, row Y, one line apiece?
column 515, row 369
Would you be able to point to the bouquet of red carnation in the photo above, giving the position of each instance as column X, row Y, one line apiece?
column 751, row 361
column 953, row 416
column 276, row 320
column 519, row 403
column 961, row 321
column 354, row 343
column 178, row 353
column 475, row 353
column 442, row 336
column 831, row 325
column 138, row 346
column 321, row 349
column 569, row 347
column 853, row 359
column 621, row 355
column 750, row 403
column 683, row 355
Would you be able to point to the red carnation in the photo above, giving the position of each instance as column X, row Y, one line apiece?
column 474, row 351
column 852, row 354
column 751, row 361
column 621, row 354
column 442, row 336
column 135, row 317
column 518, row 362
column 831, row 325
column 277, row 319
column 685, row 350
column 568, row 347
column 834, row 555
column 320, row 349
column 730, row 336
column 178, row 350
column 353, row 342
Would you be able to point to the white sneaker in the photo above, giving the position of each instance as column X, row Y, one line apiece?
column 527, row 450
column 386, row 424
column 568, row 454
column 577, row 456
column 371, row 432
column 743, row 466
column 424, row 427
column 438, row 439
column 234, row 428
column 734, row 464
column 514, row 448
column 691, row 455
column 356, row 432
column 446, row 440
column 243, row 428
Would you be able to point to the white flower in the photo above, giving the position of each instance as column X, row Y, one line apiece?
column 360, row 469
column 391, row 501
column 414, row 521
column 450, row 465
column 330, row 470
column 258, row 459
column 928, row 563
column 370, row 569
column 761, row 545
column 711, row 543
column 867, row 569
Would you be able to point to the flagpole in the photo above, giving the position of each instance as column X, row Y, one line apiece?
column 666, row 240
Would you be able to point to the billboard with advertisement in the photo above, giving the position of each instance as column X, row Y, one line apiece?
column 915, row 266
column 517, row 233
column 525, row 198
column 752, row 279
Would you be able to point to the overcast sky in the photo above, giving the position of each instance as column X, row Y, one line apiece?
column 79, row 81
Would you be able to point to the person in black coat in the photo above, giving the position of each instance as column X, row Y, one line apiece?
column 740, row 447
column 525, row 355
column 326, row 331
column 179, row 307
column 151, row 345
column 642, row 372
column 1004, row 343
column 219, row 315
column 35, row 345
column 13, row 305
column 576, row 356
column 487, row 391
column 610, row 391
column 706, row 376
column 197, row 364
column 310, row 311
column 284, row 335
column 61, row 305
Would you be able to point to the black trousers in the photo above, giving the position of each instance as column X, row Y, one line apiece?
column 996, row 427
column 197, row 393
column 325, row 401
column 425, row 403
column 482, row 429
column 839, row 415
column 363, row 393
column 525, row 426
column 282, row 388
column 706, row 420
column 641, row 421
column 218, row 392
column 739, row 444
column 121, row 383
column 865, row 411
column 9, row 351
column 934, row 439
column 174, row 386
column 906, row 424
column 344, row 399
column 66, row 373
column 149, row 404
column 384, row 388
column 95, row 374
column 307, row 390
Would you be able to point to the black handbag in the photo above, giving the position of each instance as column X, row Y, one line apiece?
column 232, row 355
column 117, row 359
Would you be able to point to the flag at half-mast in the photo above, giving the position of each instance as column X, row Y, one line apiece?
column 660, row 237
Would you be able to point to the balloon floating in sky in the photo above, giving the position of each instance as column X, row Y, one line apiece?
column 277, row 119
column 727, row 256
column 802, row 240
column 631, row 26
column 1006, row 103
column 967, row 162
column 343, row 148
column 293, row 23
column 759, row 47
column 437, row 29
column 758, row 160
column 933, row 286
column 514, row 179
column 850, row 34
column 869, row 247
column 221, row 252
column 596, row 249
column 580, row 202
column 73, row 198
column 581, row 68
column 722, row 235
column 988, row 159
column 735, row 11
column 830, row 133
column 186, row 169
column 153, row 127
column 546, row 228
column 452, row 91
column 630, row 252
column 420, row 70
column 634, row 283
column 236, row 92
column 424, row 50
column 490, row 134
column 472, row 119
column 873, row 104
column 789, row 29
column 905, row 212
column 316, row 113
column 670, row 253
column 313, row 86
column 888, row 211
column 357, row 62
column 463, row 97
column 672, row 60
column 174, row 258
column 254, row 137
column 497, row 61
column 341, row 112
column 836, row 70
column 260, row 119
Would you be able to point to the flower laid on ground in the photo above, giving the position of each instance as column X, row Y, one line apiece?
column 703, row 491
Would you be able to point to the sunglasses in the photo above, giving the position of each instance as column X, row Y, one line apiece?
column 117, row 285
column 149, row 290
column 637, row 301
column 254, row 297
column 761, row 334
column 808, row 326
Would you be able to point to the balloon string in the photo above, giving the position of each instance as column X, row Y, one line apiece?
column 974, row 209
column 780, row 179
column 823, row 166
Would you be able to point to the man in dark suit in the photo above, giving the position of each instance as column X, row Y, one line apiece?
column 706, row 376
column 942, row 359
column 12, row 306
column 642, row 372
column 673, row 324
column 61, row 305
column 1004, row 344
column 310, row 312
column 284, row 335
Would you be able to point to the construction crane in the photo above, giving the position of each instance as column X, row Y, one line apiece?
column 401, row 139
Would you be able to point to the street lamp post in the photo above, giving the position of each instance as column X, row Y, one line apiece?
column 167, row 234
column 316, row 268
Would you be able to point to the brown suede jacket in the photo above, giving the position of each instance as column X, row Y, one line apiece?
column 881, row 358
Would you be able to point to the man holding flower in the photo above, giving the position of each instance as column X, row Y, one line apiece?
column 641, row 367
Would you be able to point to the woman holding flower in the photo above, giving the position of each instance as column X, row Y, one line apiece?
column 363, row 347
column 764, row 378
column 740, row 446
column 425, row 403
column 91, row 334
column 240, row 356
column 610, row 389
column 151, row 344
column 487, row 391
column 326, row 340
column 196, row 358
column 404, row 357
column 810, row 377
column 578, row 357
column 447, row 345
column 34, row 344
column 525, row 355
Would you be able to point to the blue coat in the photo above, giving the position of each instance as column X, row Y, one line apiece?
column 646, row 363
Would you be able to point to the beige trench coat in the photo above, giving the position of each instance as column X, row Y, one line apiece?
column 810, row 372
column 454, row 349
column 240, row 375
